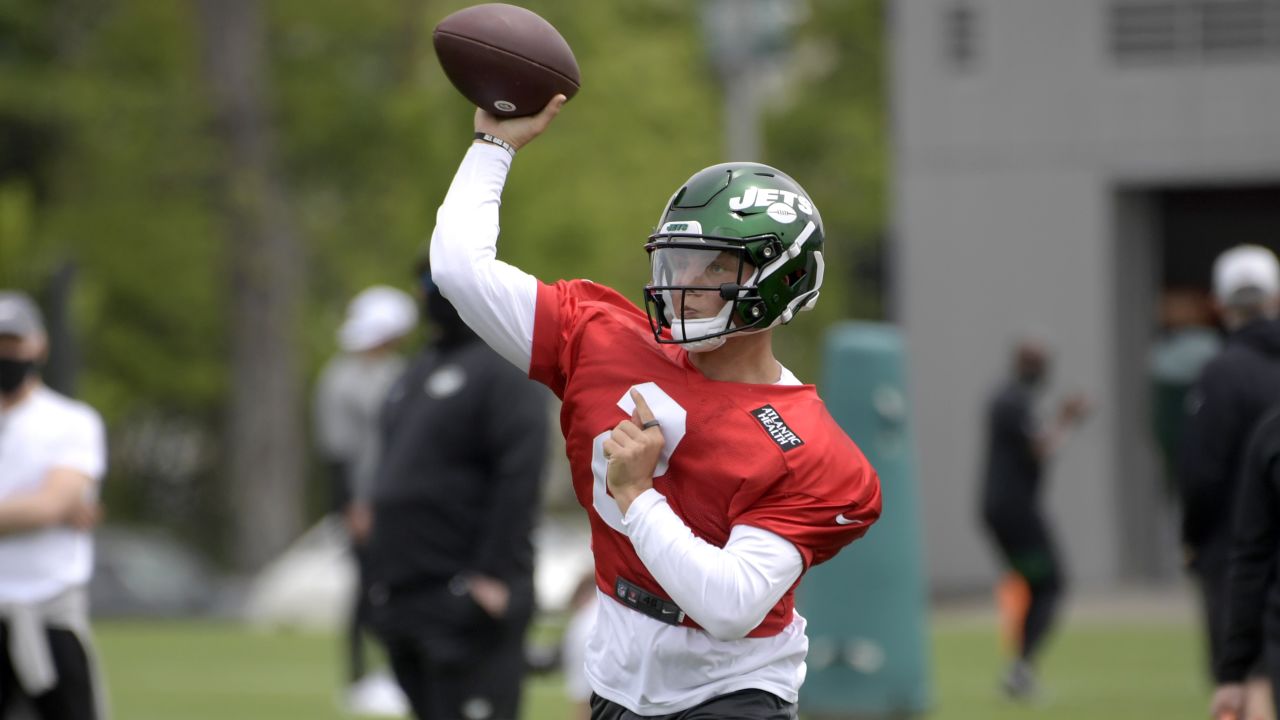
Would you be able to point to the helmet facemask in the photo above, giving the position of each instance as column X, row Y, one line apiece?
column 702, row 288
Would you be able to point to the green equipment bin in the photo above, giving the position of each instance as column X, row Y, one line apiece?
column 867, row 607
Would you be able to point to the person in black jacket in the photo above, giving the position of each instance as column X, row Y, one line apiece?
column 1252, row 631
column 1018, row 448
column 454, row 503
column 1233, row 391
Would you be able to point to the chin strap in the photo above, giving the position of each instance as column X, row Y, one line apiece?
column 691, row 333
column 704, row 345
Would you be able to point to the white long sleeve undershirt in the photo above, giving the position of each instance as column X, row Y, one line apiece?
column 729, row 590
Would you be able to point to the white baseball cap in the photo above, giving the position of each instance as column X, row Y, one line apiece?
column 19, row 315
column 375, row 316
column 1245, row 267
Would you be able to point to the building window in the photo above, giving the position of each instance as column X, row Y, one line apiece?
column 960, row 35
column 1157, row 31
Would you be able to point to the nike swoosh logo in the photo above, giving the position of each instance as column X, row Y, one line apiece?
column 842, row 520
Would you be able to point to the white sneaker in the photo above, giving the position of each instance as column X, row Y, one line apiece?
column 377, row 695
column 1019, row 683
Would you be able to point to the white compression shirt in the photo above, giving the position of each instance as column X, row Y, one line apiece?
column 632, row 658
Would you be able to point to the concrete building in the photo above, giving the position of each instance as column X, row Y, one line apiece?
column 1058, row 164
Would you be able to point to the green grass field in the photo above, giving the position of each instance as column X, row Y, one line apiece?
column 1093, row 671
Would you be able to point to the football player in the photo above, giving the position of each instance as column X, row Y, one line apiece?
column 713, row 478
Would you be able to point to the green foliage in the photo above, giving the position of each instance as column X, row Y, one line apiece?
column 129, row 205
column 118, row 167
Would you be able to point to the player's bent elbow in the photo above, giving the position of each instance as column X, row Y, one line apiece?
column 445, row 273
column 727, row 635
column 729, row 628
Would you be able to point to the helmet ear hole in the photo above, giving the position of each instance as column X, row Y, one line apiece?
column 793, row 279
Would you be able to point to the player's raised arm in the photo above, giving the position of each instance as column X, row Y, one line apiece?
column 494, row 298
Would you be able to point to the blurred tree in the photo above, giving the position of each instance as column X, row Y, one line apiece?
column 117, row 189
column 264, row 434
column 29, row 140
column 829, row 128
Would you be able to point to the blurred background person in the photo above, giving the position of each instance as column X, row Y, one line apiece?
column 348, row 400
column 454, row 504
column 1251, row 635
column 1188, row 340
column 52, row 458
column 1228, row 399
column 1018, row 448
column 573, row 646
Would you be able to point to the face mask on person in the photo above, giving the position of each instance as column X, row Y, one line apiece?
column 441, row 315
column 13, row 373
column 1033, row 376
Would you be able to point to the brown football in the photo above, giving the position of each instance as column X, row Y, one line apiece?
column 505, row 59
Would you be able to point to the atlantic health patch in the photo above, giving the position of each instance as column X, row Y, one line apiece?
column 777, row 428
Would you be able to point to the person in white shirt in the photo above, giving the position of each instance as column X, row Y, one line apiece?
column 348, row 404
column 573, row 646
column 52, row 457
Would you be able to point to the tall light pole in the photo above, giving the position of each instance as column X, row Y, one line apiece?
column 746, row 39
column 731, row 28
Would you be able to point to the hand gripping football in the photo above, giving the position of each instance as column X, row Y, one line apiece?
column 505, row 59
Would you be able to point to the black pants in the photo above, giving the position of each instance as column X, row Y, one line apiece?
column 1028, row 549
column 1211, row 566
column 741, row 705
column 1271, row 661
column 451, row 659
column 359, row 622
column 72, row 698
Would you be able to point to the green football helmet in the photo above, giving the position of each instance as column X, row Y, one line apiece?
column 738, row 250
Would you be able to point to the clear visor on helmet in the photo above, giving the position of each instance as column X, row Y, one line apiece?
column 697, row 278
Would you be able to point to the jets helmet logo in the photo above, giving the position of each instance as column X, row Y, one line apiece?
column 765, row 197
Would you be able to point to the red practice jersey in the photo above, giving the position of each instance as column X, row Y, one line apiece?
column 767, row 456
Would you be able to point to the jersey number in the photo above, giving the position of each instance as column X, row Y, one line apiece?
column 672, row 420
